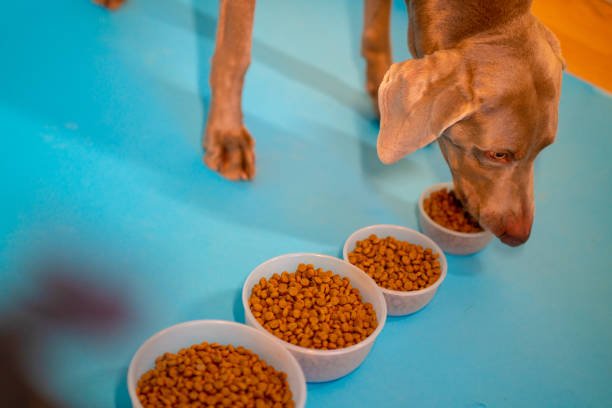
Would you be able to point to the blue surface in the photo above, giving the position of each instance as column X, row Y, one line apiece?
column 100, row 123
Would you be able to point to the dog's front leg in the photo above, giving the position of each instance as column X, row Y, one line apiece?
column 229, row 148
column 376, row 45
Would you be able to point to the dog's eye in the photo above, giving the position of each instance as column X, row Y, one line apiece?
column 501, row 157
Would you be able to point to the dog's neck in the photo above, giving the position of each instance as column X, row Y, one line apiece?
column 442, row 24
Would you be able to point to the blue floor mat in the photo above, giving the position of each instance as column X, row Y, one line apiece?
column 101, row 116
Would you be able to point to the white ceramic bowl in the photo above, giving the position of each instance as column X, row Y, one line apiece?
column 186, row 334
column 321, row 365
column 453, row 242
column 400, row 303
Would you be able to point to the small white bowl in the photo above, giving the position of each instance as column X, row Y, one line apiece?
column 401, row 303
column 453, row 242
column 321, row 365
column 186, row 334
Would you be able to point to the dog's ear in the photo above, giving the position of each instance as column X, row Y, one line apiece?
column 419, row 99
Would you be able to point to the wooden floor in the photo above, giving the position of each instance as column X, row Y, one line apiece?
column 584, row 28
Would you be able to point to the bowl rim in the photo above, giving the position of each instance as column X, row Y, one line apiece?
column 450, row 186
column 434, row 246
column 305, row 350
column 132, row 382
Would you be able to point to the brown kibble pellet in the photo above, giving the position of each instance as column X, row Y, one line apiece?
column 316, row 301
column 444, row 208
column 210, row 374
column 403, row 267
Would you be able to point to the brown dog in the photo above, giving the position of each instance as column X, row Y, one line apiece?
column 485, row 82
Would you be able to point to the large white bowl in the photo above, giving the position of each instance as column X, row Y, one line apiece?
column 321, row 365
column 453, row 242
column 186, row 334
column 400, row 303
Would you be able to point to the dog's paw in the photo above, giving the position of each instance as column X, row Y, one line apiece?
column 231, row 154
column 110, row 4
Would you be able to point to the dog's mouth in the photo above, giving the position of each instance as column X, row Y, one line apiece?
column 472, row 210
column 486, row 223
column 506, row 227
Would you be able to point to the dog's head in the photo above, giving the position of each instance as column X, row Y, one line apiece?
column 492, row 105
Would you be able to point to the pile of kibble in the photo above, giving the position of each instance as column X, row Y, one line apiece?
column 210, row 374
column 312, row 308
column 396, row 265
column 444, row 208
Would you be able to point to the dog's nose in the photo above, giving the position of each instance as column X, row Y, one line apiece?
column 517, row 233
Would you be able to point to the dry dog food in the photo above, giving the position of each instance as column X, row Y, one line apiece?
column 444, row 208
column 213, row 375
column 312, row 308
column 396, row 265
